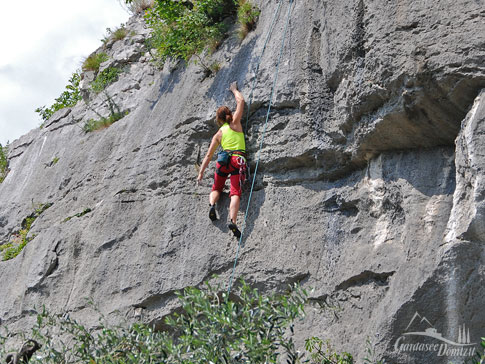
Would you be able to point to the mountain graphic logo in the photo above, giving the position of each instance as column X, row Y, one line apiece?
column 421, row 326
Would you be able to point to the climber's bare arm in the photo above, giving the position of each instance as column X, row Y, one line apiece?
column 216, row 140
column 236, row 121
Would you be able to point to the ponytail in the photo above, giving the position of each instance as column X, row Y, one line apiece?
column 223, row 115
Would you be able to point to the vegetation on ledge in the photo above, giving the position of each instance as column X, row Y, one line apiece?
column 105, row 78
column 247, row 16
column 93, row 62
column 11, row 249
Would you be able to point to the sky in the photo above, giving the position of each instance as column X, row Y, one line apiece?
column 42, row 44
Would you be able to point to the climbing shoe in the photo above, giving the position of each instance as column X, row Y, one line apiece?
column 233, row 227
column 212, row 213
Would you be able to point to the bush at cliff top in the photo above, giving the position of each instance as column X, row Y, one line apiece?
column 208, row 328
column 68, row 98
column 181, row 29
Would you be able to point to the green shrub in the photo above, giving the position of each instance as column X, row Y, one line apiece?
column 247, row 16
column 42, row 207
column 94, row 60
column 5, row 246
column 68, row 98
column 120, row 33
column 479, row 356
column 105, row 78
column 209, row 327
column 324, row 354
column 53, row 162
column 215, row 67
column 182, row 29
column 11, row 249
column 3, row 162
column 92, row 124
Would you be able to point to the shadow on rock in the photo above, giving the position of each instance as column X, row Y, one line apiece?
column 239, row 68
column 168, row 81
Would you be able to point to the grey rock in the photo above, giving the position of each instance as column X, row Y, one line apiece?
column 369, row 188
column 128, row 55
column 106, row 64
column 58, row 115
column 88, row 77
column 138, row 39
column 85, row 84
column 467, row 217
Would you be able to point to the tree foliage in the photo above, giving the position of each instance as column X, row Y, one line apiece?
column 208, row 328
column 323, row 354
column 3, row 162
column 68, row 98
column 181, row 29
column 479, row 357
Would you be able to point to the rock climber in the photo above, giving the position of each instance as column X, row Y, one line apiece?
column 230, row 161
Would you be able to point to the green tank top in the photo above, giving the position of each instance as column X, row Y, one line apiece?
column 232, row 140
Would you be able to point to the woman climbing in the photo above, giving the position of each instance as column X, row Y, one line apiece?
column 231, row 161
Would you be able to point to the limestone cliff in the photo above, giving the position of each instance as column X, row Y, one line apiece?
column 370, row 187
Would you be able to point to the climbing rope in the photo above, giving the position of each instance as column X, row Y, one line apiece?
column 256, row 69
column 262, row 138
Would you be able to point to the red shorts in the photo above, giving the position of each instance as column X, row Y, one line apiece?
column 231, row 169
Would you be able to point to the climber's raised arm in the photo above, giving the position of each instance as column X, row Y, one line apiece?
column 236, row 121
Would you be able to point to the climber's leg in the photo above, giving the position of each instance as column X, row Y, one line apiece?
column 220, row 177
column 235, row 202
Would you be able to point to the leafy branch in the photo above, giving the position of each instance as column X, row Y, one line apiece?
column 68, row 98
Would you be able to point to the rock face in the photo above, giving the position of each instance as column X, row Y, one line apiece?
column 370, row 187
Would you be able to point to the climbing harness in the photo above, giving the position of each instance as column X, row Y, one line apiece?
column 264, row 130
